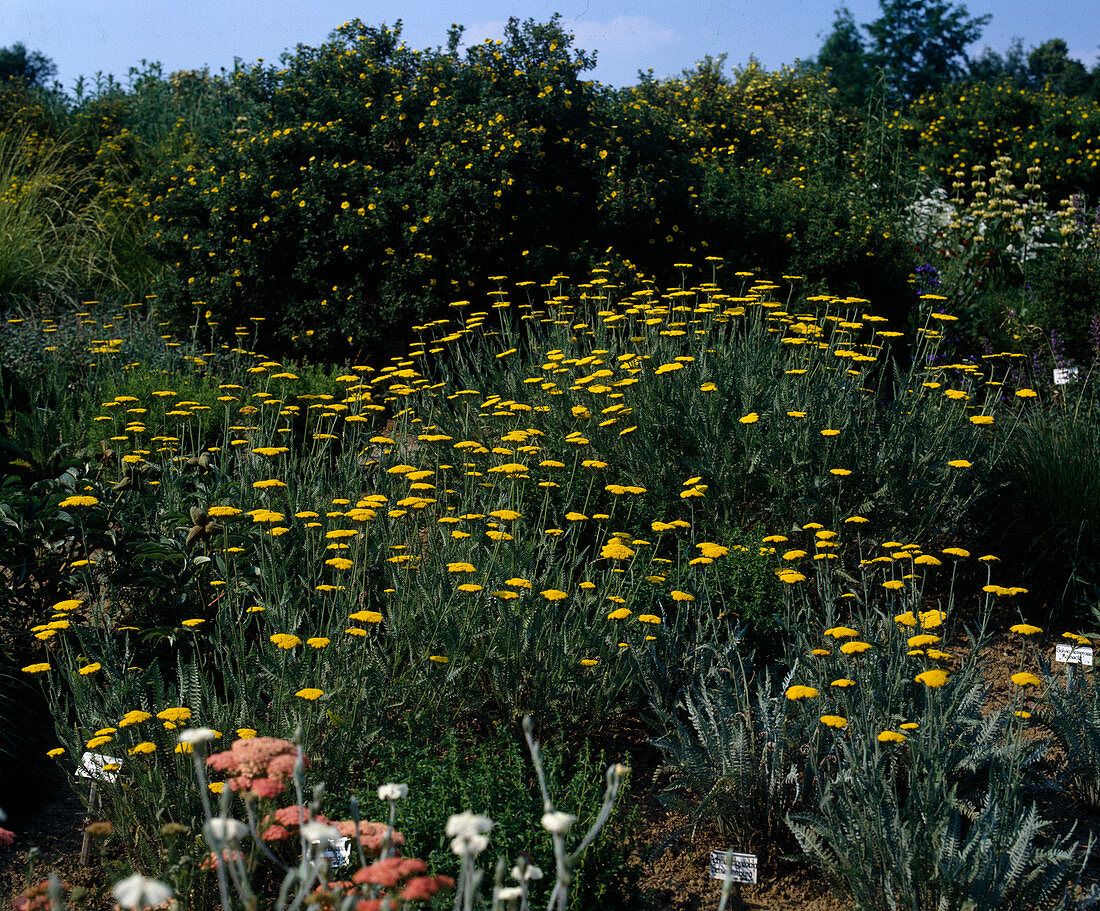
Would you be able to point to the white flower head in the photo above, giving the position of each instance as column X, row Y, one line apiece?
column 461, row 824
column 509, row 893
column 468, row 833
column 393, row 792
column 224, row 831
column 557, row 823
column 314, row 832
column 139, row 891
column 529, row 871
column 198, row 735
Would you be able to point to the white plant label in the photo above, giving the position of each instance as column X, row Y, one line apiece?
column 338, row 852
column 99, row 767
column 1063, row 375
column 741, row 867
column 1064, row 653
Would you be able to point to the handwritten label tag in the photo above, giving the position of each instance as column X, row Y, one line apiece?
column 99, row 767
column 1064, row 653
column 741, row 867
column 1063, row 375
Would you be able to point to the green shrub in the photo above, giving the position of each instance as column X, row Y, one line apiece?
column 488, row 771
column 1064, row 288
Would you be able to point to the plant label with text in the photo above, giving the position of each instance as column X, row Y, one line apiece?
column 337, row 852
column 99, row 767
column 739, row 868
column 1064, row 653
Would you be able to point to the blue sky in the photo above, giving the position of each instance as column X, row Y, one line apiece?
column 85, row 36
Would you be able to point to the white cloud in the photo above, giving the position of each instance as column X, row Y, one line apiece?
column 622, row 35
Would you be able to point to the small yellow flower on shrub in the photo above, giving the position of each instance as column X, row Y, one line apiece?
column 841, row 632
column 619, row 614
column 800, row 692
column 678, row 595
column 77, row 501
column 310, row 693
column 891, row 737
column 855, row 648
column 712, row 551
column 834, row 721
column 843, row 682
column 930, row 619
column 1024, row 629
column 616, row 550
column 367, row 616
column 1026, row 679
column 933, row 678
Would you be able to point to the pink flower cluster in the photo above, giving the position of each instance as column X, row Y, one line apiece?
column 402, row 878
column 262, row 766
column 37, row 897
column 279, row 826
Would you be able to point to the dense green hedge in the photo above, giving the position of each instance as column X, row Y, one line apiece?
column 373, row 183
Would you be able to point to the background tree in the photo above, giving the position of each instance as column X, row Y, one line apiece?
column 1050, row 64
column 917, row 44
column 921, row 44
column 844, row 54
column 990, row 66
column 29, row 67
